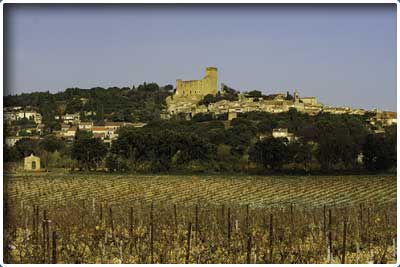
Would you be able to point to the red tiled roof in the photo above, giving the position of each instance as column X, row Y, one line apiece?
column 99, row 128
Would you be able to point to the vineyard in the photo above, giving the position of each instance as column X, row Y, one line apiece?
column 100, row 218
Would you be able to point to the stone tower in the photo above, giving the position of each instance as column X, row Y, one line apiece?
column 212, row 80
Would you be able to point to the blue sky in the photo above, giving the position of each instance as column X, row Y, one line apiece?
column 343, row 54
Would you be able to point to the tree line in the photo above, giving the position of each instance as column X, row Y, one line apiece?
column 324, row 143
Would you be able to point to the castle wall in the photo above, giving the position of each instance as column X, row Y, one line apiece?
column 198, row 88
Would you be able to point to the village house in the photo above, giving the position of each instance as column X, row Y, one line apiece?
column 283, row 133
column 232, row 115
column 384, row 118
column 69, row 118
column 115, row 125
column 70, row 133
column 9, row 116
column 99, row 131
column 336, row 110
column 65, row 127
column 104, row 133
column 32, row 115
column 85, row 125
column 312, row 100
column 18, row 114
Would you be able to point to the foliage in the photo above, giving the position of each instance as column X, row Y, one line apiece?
column 162, row 148
column 88, row 151
column 272, row 153
column 116, row 163
column 24, row 122
column 228, row 94
column 254, row 94
column 143, row 103
column 340, row 141
column 380, row 152
column 300, row 152
column 200, row 117
column 11, row 154
column 26, row 146
column 51, row 143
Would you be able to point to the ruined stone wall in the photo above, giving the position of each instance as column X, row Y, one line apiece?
column 198, row 88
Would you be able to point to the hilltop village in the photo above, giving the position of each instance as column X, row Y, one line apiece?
column 190, row 98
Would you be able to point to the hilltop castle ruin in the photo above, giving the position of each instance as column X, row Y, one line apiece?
column 198, row 88
column 189, row 93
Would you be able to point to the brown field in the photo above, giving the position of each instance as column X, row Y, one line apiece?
column 101, row 218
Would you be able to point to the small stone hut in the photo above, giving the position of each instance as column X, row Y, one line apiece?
column 31, row 163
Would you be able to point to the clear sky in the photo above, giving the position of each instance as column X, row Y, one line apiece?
column 343, row 54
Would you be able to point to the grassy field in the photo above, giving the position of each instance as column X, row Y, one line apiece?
column 101, row 218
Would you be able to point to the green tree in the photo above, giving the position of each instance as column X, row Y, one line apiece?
column 115, row 163
column 254, row 93
column 100, row 112
column 51, row 143
column 26, row 146
column 88, row 151
column 300, row 152
column 162, row 148
column 272, row 153
column 340, row 140
column 10, row 154
column 379, row 152
column 207, row 100
column 74, row 105
column 240, row 135
column 200, row 117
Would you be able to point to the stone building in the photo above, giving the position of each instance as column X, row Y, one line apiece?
column 232, row 115
column 32, row 163
column 70, row 133
column 384, row 118
column 312, row 100
column 10, row 114
column 85, row 125
column 283, row 133
column 198, row 88
column 69, row 118
column 189, row 93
